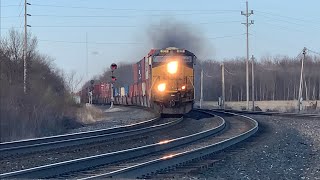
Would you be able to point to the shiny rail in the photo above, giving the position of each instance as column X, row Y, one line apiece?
column 53, row 142
column 174, row 160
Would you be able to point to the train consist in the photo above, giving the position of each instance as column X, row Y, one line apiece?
column 163, row 80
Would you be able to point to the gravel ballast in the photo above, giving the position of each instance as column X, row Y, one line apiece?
column 118, row 116
column 283, row 148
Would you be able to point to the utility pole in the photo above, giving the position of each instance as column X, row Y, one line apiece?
column 87, row 55
column 25, row 51
column 223, row 86
column 0, row 20
column 247, row 24
column 252, row 82
column 301, row 80
column 201, row 89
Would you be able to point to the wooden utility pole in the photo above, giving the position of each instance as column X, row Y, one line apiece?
column 25, row 44
column 301, row 81
column 252, row 82
column 25, row 49
column 201, row 89
column 223, row 86
column 247, row 24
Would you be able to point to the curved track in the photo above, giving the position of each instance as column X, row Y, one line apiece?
column 52, row 142
column 301, row 115
column 143, row 160
column 237, row 128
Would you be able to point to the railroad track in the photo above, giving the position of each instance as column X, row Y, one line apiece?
column 141, row 161
column 271, row 113
column 59, row 141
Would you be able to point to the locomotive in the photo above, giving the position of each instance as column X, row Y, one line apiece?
column 163, row 80
column 172, row 90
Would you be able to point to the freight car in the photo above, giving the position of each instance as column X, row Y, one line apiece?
column 163, row 80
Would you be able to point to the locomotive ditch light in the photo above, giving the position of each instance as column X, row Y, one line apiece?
column 172, row 67
column 162, row 87
column 183, row 87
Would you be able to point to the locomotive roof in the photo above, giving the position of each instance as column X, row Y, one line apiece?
column 172, row 50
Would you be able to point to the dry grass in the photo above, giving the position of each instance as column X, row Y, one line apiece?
column 89, row 114
column 275, row 106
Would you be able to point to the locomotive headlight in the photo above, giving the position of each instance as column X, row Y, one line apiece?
column 183, row 87
column 172, row 67
column 162, row 87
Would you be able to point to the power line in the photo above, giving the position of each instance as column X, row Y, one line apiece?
column 21, row 8
column 114, row 26
column 5, row 17
column 288, row 17
column 313, row 51
column 283, row 27
column 84, row 42
column 131, row 9
column 124, row 16
column 281, row 20
column 123, row 26
column 227, row 36
column 233, row 74
column 11, row 5
column 289, row 22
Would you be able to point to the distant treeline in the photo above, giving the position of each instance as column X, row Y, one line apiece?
column 276, row 78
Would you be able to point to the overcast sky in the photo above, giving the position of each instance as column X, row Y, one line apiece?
column 118, row 29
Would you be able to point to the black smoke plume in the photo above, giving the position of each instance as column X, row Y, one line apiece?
column 173, row 33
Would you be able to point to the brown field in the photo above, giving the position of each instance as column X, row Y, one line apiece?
column 282, row 106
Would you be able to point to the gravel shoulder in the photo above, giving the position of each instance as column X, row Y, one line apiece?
column 283, row 148
column 118, row 116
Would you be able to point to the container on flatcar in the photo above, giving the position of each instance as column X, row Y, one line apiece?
column 131, row 90
column 135, row 89
column 126, row 90
column 96, row 90
column 135, row 73
column 122, row 92
column 105, row 90
column 143, row 88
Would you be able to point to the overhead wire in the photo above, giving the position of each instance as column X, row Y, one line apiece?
column 313, row 51
column 219, row 37
column 132, row 9
column 84, row 42
column 124, row 16
column 21, row 13
column 288, row 17
column 289, row 22
column 233, row 74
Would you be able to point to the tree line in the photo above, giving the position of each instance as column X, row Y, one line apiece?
column 276, row 78
column 39, row 112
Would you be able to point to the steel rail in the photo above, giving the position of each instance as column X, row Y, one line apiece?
column 271, row 113
column 92, row 161
column 52, row 142
column 174, row 160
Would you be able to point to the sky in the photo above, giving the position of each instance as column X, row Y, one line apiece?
column 117, row 30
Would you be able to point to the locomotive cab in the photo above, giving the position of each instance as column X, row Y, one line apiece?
column 173, row 81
